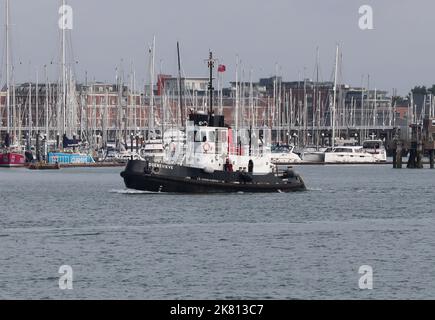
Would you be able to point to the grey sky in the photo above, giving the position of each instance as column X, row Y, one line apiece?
column 397, row 54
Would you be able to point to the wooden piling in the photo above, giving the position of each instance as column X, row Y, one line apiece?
column 431, row 158
column 131, row 142
column 38, row 148
column 137, row 144
column 58, row 141
column 398, row 155
column 419, row 156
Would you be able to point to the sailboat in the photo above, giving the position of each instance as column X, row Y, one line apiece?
column 345, row 153
column 153, row 147
column 10, row 155
column 67, row 107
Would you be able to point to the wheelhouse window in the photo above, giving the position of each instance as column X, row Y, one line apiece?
column 211, row 136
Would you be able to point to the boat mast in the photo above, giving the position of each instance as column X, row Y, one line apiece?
column 235, row 141
column 13, row 108
column 37, row 102
column 135, row 107
column 64, row 73
column 8, row 102
column 29, row 121
column 251, row 101
column 180, row 90
column 316, row 113
column 335, row 97
column 210, row 83
column 47, row 92
column 151, row 121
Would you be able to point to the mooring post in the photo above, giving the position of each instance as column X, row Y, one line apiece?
column 58, row 141
column 74, row 143
column 419, row 155
column 131, row 142
column 399, row 155
column 137, row 144
column 412, row 156
column 431, row 158
column 38, row 155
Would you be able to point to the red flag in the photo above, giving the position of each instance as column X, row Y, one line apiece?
column 222, row 68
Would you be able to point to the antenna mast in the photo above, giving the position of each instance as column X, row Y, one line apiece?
column 211, row 63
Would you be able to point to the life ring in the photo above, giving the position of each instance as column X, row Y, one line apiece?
column 206, row 147
column 172, row 147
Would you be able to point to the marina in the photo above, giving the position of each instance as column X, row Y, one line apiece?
column 74, row 122
column 231, row 151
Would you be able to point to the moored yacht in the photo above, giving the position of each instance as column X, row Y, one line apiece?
column 69, row 155
column 376, row 148
column 11, row 156
column 348, row 154
column 153, row 150
column 313, row 154
column 284, row 154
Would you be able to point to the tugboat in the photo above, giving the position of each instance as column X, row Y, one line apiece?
column 213, row 158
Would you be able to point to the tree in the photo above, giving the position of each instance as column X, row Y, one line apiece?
column 432, row 89
column 419, row 90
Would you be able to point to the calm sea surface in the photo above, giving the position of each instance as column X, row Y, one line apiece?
column 131, row 245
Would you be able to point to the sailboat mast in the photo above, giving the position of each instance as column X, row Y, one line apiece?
column 64, row 74
column 47, row 93
column 335, row 96
column 29, row 121
column 316, row 111
column 180, row 89
column 8, row 102
column 37, row 101
column 237, row 103
column 151, row 121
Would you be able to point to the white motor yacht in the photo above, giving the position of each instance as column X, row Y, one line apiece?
column 376, row 148
column 348, row 154
column 284, row 154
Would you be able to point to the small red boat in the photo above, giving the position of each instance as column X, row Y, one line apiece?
column 12, row 159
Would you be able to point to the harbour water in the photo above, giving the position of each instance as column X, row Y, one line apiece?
column 133, row 245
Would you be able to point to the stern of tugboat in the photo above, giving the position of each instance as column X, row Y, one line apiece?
column 293, row 180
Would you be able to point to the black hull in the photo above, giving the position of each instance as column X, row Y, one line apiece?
column 178, row 179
